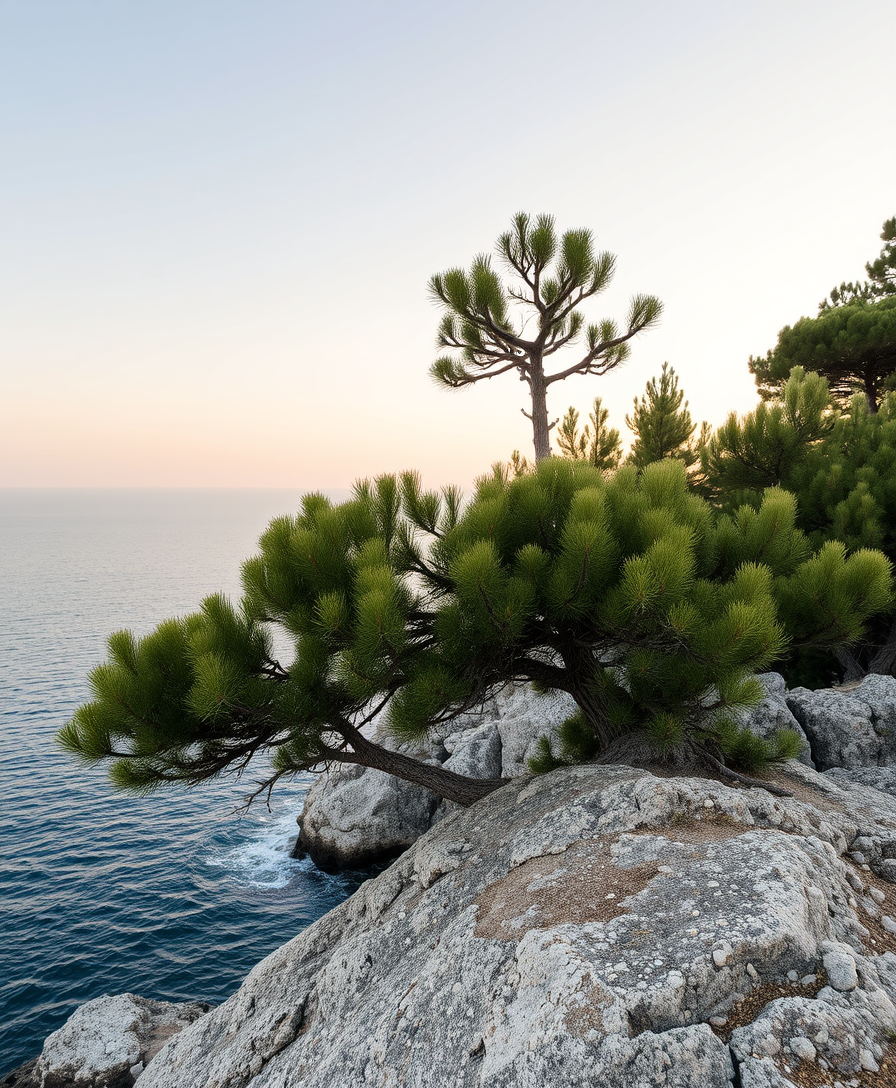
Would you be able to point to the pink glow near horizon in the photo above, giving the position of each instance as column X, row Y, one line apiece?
column 219, row 227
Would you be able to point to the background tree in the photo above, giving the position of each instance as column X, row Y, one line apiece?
column 881, row 282
column 596, row 443
column 486, row 321
column 662, row 424
column 841, row 467
column 853, row 346
column 762, row 449
column 626, row 592
column 853, row 340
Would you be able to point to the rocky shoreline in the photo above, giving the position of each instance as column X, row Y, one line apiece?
column 354, row 816
column 600, row 924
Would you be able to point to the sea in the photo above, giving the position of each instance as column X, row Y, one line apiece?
column 175, row 895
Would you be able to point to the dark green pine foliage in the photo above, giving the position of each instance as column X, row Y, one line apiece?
column 852, row 342
column 881, row 273
column 841, row 467
column 203, row 695
column 596, row 442
column 853, row 346
column 662, row 424
column 627, row 592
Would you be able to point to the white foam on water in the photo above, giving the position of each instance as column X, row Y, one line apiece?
column 261, row 856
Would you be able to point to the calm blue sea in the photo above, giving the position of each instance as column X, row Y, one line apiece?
column 172, row 896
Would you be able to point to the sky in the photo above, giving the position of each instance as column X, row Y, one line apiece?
column 219, row 218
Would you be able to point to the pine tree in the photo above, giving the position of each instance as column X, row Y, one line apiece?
column 852, row 342
column 485, row 323
column 762, row 449
column 853, row 346
column 596, row 443
column 841, row 467
column 662, row 424
column 881, row 282
column 624, row 591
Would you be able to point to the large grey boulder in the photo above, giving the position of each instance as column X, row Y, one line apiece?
column 523, row 716
column 849, row 727
column 598, row 925
column 354, row 816
column 772, row 714
column 106, row 1042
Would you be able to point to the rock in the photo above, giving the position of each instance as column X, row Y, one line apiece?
column 772, row 714
column 23, row 1076
column 840, row 965
column 475, row 752
column 849, row 727
column 841, row 1031
column 561, row 932
column 355, row 816
column 101, row 1042
column 880, row 778
column 523, row 717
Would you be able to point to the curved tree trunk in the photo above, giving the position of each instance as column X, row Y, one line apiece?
column 442, row 782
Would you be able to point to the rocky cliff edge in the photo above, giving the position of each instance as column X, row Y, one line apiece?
column 598, row 925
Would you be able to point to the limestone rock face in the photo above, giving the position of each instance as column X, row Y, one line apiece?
column 354, row 816
column 849, row 727
column 106, row 1042
column 598, row 925
column 522, row 718
column 772, row 713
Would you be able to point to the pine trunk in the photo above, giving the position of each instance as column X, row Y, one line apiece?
column 442, row 782
column 541, row 430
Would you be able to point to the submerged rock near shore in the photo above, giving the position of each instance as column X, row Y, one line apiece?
column 106, row 1043
column 595, row 925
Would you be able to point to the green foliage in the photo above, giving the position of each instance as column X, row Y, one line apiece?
column 881, row 274
column 747, row 454
column 662, row 424
column 853, row 346
column 841, row 467
column 624, row 591
column 558, row 571
column 595, row 443
column 490, row 327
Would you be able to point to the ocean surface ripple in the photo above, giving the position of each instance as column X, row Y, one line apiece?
column 174, row 895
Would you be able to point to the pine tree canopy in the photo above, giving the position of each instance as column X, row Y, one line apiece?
column 853, row 346
column 881, row 282
column 852, row 342
column 840, row 464
column 406, row 607
column 487, row 321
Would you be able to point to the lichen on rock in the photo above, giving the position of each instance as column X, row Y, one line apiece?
column 593, row 925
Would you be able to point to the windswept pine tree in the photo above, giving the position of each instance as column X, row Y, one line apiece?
column 401, row 605
column 487, row 322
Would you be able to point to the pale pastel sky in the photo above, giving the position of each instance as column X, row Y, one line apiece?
column 218, row 218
